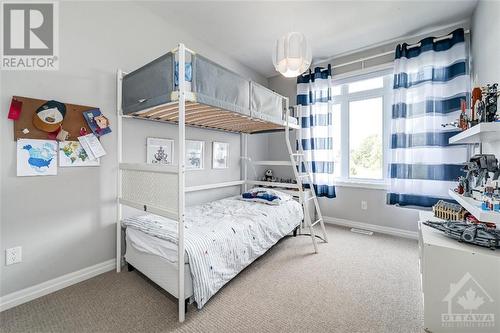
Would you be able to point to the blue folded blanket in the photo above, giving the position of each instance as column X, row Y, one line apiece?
column 259, row 195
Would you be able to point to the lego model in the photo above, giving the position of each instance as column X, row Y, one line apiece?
column 448, row 211
column 483, row 108
column 478, row 234
column 478, row 170
column 463, row 121
column 486, row 107
column 486, row 163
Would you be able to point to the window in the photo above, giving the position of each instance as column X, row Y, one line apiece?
column 361, row 114
column 365, row 138
column 356, row 86
column 337, row 140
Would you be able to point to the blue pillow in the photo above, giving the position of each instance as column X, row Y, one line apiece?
column 261, row 196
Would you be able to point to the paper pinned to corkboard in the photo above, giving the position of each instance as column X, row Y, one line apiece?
column 73, row 121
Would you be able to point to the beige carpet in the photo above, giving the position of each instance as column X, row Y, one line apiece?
column 356, row 283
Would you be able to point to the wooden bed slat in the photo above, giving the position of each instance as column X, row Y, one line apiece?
column 210, row 117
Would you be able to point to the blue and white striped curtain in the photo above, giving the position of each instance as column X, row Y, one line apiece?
column 430, row 82
column 314, row 97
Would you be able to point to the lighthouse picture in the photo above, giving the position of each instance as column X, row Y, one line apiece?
column 160, row 151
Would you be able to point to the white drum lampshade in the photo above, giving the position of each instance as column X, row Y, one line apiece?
column 292, row 55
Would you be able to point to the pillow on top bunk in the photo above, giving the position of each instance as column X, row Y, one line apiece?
column 266, row 196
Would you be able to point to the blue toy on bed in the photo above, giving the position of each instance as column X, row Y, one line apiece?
column 260, row 195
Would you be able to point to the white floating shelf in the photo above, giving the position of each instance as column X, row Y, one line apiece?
column 272, row 184
column 474, row 207
column 482, row 132
column 272, row 162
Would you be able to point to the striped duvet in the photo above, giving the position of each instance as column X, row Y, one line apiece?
column 223, row 237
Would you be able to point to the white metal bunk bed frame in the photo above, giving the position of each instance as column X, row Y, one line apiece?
column 180, row 171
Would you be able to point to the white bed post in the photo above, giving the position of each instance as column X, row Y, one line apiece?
column 244, row 160
column 119, row 119
column 181, row 177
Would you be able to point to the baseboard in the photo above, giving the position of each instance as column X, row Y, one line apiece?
column 25, row 295
column 371, row 227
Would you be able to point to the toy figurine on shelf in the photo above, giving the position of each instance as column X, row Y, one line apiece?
column 452, row 124
column 491, row 98
column 462, row 185
column 471, row 171
column 268, row 176
column 477, row 96
column 487, row 163
column 490, row 200
column 287, row 181
column 478, row 172
column 463, row 122
column 486, row 107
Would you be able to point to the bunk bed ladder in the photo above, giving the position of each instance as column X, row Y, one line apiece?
column 297, row 160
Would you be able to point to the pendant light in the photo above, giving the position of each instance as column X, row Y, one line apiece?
column 292, row 54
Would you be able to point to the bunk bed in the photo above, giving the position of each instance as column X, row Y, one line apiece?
column 186, row 89
column 215, row 97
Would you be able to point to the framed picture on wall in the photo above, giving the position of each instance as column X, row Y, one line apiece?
column 160, row 151
column 220, row 155
column 194, row 154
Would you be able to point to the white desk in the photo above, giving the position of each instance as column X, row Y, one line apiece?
column 449, row 270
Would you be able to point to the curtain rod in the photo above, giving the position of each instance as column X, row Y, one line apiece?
column 437, row 39
column 375, row 55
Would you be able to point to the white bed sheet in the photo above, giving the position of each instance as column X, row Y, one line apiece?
column 221, row 237
column 153, row 245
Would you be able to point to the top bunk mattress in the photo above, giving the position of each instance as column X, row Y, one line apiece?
column 221, row 237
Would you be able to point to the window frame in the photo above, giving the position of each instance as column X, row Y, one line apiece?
column 344, row 99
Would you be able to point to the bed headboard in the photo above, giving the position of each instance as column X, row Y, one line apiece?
column 150, row 188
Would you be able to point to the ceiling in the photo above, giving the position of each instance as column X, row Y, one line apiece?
column 247, row 31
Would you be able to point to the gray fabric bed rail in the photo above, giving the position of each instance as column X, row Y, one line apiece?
column 149, row 86
column 217, row 86
column 266, row 104
column 152, row 85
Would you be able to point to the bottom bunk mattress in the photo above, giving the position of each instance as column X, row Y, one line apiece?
column 221, row 238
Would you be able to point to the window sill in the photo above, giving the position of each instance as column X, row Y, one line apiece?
column 365, row 184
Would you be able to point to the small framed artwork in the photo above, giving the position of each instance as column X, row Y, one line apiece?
column 160, row 151
column 220, row 155
column 194, row 154
column 72, row 154
column 36, row 157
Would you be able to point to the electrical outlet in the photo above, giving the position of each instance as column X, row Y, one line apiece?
column 364, row 205
column 13, row 255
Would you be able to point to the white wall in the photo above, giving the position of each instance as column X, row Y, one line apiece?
column 67, row 222
column 485, row 42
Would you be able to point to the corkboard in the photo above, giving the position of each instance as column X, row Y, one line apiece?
column 72, row 123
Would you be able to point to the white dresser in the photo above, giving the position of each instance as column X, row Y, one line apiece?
column 460, row 283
